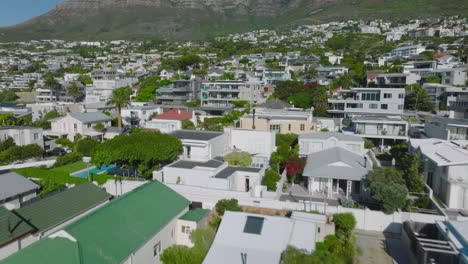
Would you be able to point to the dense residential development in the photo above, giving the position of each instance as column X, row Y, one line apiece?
column 339, row 142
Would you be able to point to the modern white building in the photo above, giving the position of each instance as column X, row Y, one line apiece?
column 445, row 169
column 23, row 135
column 202, row 145
column 253, row 238
column 406, row 51
column 358, row 101
column 212, row 174
column 384, row 129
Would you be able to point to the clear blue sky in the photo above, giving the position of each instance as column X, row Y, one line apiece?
column 15, row 11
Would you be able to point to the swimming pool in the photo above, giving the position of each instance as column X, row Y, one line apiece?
column 84, row 174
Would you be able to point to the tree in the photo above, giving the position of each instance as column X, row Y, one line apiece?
column 433, row 79
column 187, row 124
column 143, row 151
column 53, row 85
column 319, row 98
column 244, row 60
column 398, row 151
column 20, row 153
column 85, row 79
column 120, row 98
column 98, row 127
column 74, row 91
column 368, row 144
column 294, row 166
column 270, row 179
column 7, row 143
column 301, row 100
column 288, row 88
column 286, row 139
column 385, row 174
column 418, row 98
column 87, row 146
column 242, row 159
column 227, row 205
column 239, row 103
column 177, row 254
column 412, row 168
column 345, row 223
column 392, row 196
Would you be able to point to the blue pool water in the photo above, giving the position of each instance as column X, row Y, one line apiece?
column 84, row 174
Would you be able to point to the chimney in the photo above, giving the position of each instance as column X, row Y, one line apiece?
column 253, row 119
column 178, row 111
column 365, row 161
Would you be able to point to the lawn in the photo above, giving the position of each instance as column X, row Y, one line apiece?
column 62, row 174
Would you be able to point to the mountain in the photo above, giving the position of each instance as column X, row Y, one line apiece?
column 198, row 19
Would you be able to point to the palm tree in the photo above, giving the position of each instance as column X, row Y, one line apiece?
column 120, row 98
column 53, row 85
column 311, row 73
column 73, row 91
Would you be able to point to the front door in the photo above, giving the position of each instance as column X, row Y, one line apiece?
column 247, row 184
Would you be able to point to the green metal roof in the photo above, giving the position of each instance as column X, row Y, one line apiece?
column 48, row 250
column 12, row 227
column 195, row 215
column 111, row 233
column 54, row 210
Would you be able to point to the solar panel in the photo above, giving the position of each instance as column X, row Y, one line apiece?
column 254, row 225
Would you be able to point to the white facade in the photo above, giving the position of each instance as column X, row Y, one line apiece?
column 445, row 169
column 139, row 116
column 69, row 126
column 23, row 135
column 388, row 101
column 163, row 125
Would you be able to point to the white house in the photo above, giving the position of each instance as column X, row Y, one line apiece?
column 169, row 121
column 445, row 169
column 336, row 173
column 83, row 123
column 202, row 145
column 213, row 174
column 23, row 135
column 260, row 239
column 16, row 189
column 446, row 128
column 138, row 116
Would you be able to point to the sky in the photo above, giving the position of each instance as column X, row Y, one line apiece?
column 15, row 11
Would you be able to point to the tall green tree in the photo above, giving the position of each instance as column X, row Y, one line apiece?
column 54, row 86
column 74, row 91
column 417, row 98
column 120, row 99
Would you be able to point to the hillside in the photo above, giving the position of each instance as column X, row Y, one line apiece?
column 199, row 19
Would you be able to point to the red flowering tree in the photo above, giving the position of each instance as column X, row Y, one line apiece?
column 294, row 166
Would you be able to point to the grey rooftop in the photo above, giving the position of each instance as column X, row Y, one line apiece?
column 196, row 134
column 13, row 184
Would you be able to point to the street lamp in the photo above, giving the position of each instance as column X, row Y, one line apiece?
column 87, row 160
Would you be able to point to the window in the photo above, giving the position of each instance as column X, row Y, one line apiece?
column 89, row 125
column 275, row 127
column 36, row 136
column 383, row 106
column 400, row 107
column 318, row 230
column 289, row 127
column 157, row 249
column 387, row 95
column 373, row 106
column 75, row 126
column 302, row 127
column 186, row 229
column 401, row 96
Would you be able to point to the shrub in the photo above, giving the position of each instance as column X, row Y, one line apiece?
column 239, row 103
column 87, row 146
column 243, row 159
column 20, row 153
column 368, row 144
column 345, row 223
column 187, row 124
column 68, row 158
column 423, row 202
column 270, row 179
column 229, row 205
column 98, row 127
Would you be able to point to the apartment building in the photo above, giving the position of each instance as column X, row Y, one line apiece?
column 386, row 101
column 179, row 92
column 396, row 80
column 406, row 51
column 383, row 129
column 222, row 93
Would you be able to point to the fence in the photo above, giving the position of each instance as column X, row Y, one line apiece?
column 366, row 219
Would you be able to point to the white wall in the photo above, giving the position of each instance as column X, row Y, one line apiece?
column 184, row 238
column 118, row 188
column 308, row 146
column 167, row 237
column 165, row 126
column 253, row 142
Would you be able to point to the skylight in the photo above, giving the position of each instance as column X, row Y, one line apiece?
column 254, row 225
